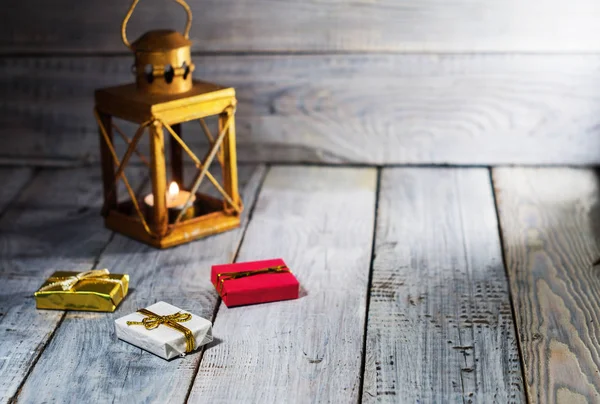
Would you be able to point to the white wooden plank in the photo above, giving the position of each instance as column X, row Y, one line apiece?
column 320, row 220
column 12, row 181
column 53, row 225
column 367, row 109
column 85, row 349
column 550, row 227
column 440, row 326
column 301, row 26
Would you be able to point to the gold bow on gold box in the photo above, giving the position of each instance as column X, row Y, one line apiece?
column 96, row 290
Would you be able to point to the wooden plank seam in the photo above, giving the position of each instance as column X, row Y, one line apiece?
column 369, row 285
column 511, row 292
column 15, row 397
column 252, row 204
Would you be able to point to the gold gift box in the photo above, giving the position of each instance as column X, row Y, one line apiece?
column 96, row 290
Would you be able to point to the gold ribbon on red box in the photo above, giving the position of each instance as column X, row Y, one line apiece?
column 225, row 276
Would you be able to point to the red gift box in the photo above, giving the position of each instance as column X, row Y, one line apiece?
column 254, row 282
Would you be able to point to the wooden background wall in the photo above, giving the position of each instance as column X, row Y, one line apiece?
column 334, row 81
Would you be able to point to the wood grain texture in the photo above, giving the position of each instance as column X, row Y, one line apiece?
column 440, row 327
column 12, row 181
column 320, row 220
column 53, row 225
column 102, row 368
column 369, row 109
column 550, row 226
column 294, row 25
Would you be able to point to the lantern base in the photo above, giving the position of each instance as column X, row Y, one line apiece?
column 190, row 230
column 211, row 219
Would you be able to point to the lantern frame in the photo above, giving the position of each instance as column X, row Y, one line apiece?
column 157, row 114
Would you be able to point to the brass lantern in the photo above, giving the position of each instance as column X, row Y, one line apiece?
column 164, row 96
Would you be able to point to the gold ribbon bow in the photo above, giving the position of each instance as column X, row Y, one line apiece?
column 153, row 320
column 69, row 282
column 225, row 276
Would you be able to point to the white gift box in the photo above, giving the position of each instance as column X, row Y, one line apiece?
column 163, row 340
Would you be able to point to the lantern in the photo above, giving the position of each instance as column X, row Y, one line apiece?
column 162, row 97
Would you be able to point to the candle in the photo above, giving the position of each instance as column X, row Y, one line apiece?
column 176, row 199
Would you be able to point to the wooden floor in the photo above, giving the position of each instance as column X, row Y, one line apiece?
column 418, row 285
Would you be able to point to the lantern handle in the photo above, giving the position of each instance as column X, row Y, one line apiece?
column 182, row 3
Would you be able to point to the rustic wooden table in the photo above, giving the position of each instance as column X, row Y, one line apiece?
column 419, row 285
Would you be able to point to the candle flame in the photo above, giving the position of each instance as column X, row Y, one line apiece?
column 173, row 189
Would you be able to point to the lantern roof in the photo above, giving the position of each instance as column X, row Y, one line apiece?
column 160, row 40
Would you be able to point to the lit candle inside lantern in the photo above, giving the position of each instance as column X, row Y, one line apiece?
column 176, row 199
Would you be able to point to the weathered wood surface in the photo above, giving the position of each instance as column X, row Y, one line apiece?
column 440, row 327
column 550, row 225
column 12, row 181
column 368, row 109
column 320, row 220
column 260, row 25
column 53, row 225
column 85, row 350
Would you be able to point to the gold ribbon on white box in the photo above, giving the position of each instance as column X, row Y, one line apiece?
column 158, row 329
